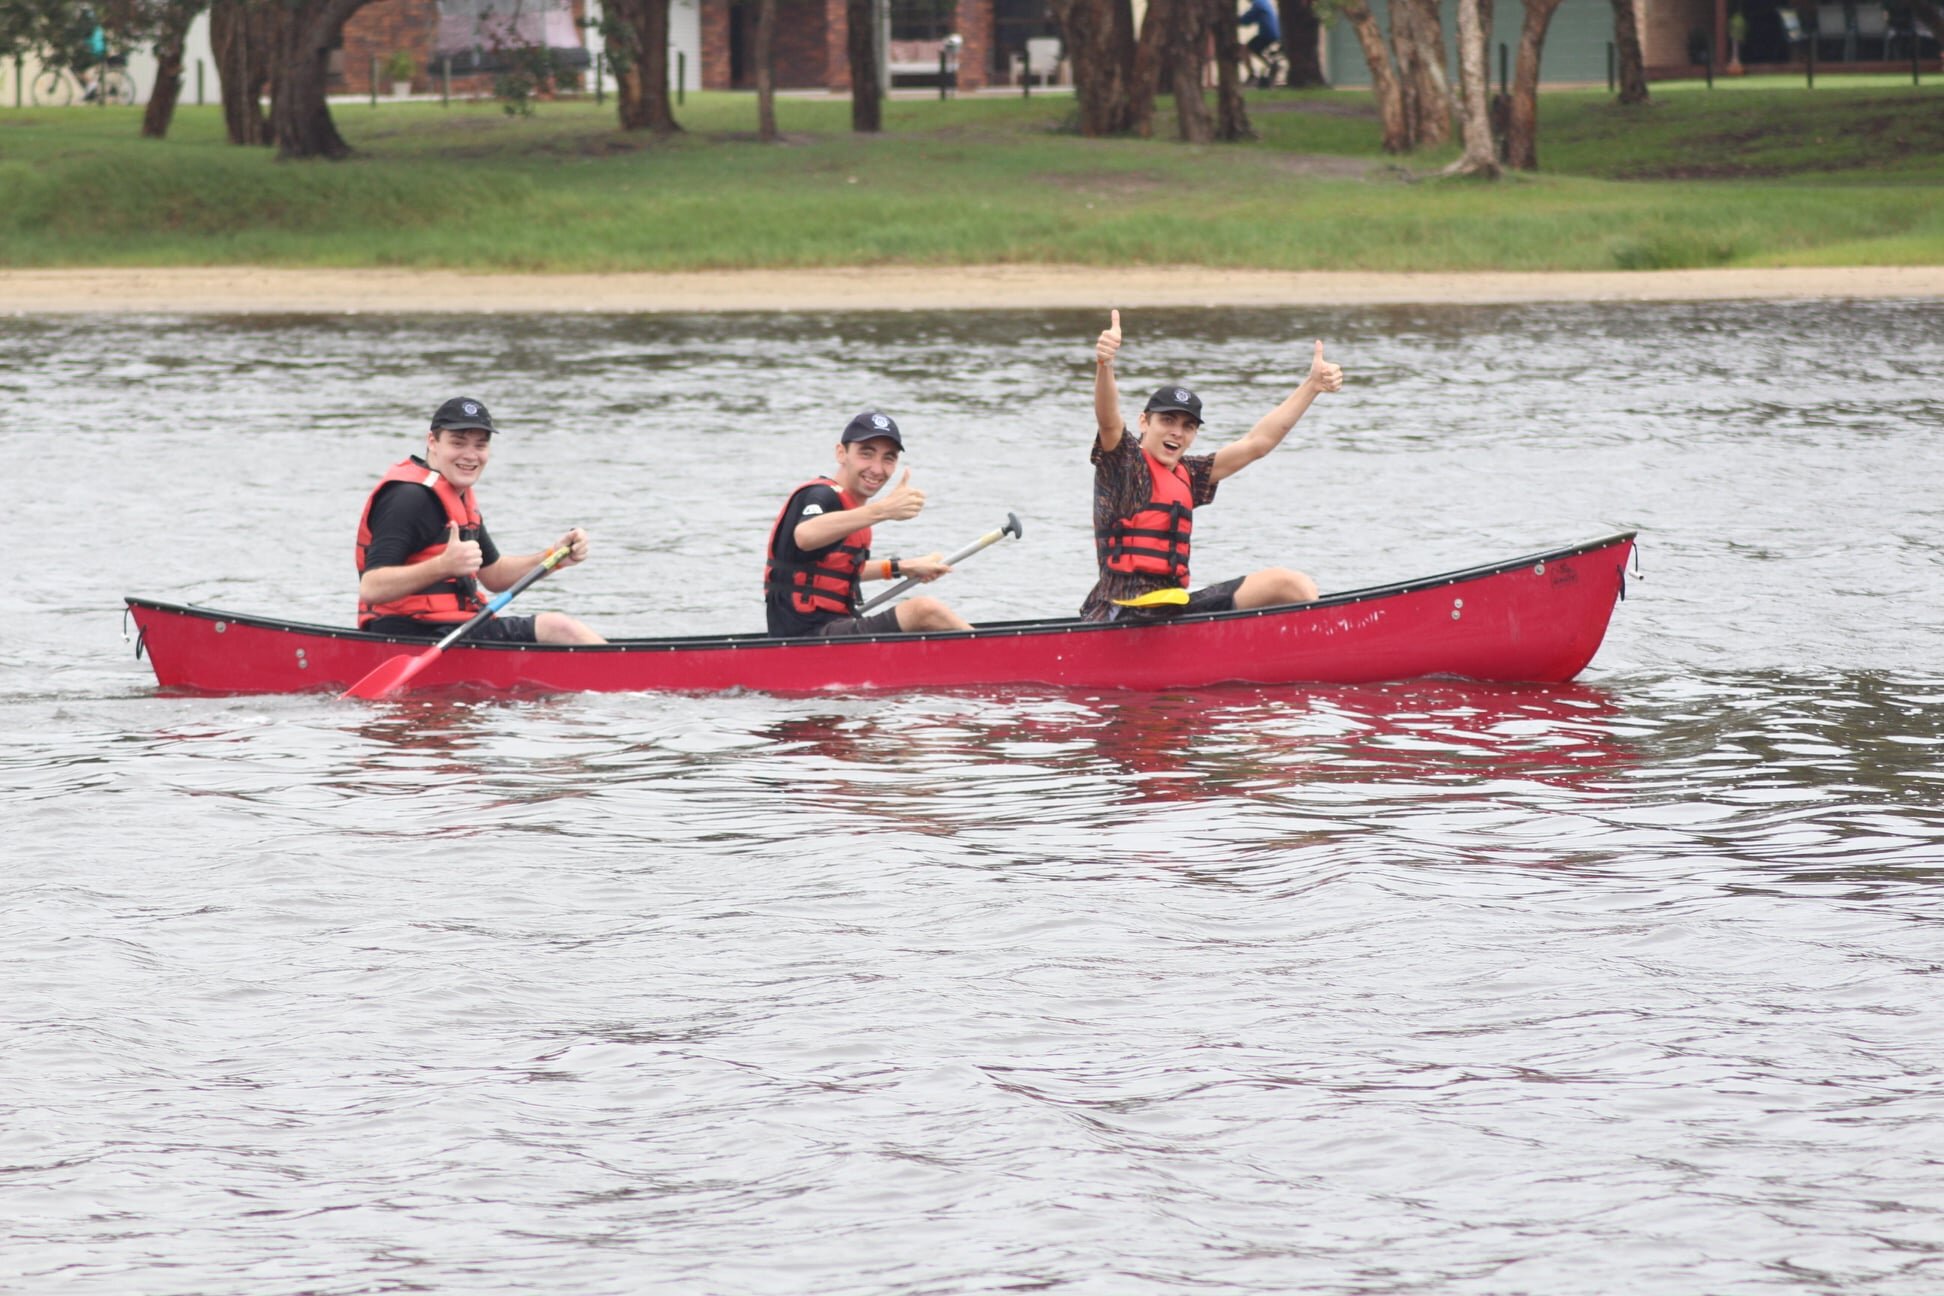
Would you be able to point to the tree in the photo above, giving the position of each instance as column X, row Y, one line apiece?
column 1302, row 31
column 867, row 89
column 172, row 21
column 242, row 36
column 1626, row 43
column 1417, row 32
column 766, row 70
column 1522, row 135
column 1384, row 80
column 637, row 49
column 1100, row 47
column 1474, row 90
column 300, row 118
column 1231, row 113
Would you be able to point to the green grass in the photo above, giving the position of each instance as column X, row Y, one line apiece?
column 1760, row 174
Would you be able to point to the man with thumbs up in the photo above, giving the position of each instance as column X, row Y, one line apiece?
column 423, row 551
column 1146, row 490
column 820, row 547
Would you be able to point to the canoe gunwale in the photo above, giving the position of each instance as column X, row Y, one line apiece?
column 988, row 630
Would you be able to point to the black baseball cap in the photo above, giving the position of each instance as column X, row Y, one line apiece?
column 1175, row 398
column 869, row 426
column 462, row 412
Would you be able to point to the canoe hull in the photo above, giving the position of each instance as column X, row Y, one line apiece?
column 1534, row 619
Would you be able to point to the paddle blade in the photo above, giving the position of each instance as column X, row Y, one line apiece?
column 390, row 676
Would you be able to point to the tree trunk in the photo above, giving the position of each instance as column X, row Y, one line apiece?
column 766, row 70
column 1474, row 90
column 173, row 27
column 1626, row 45
column 242, row 37
column 867, row 90
column 1384, row 83
column 1185, row 56
column 1096, row 34
column 638, row 49
column 1522, row 137
column 1231, row 114
column 1410, row 81
column 1149, row 53
column 300, row 119
column 1302, row 42
column 1434, row 87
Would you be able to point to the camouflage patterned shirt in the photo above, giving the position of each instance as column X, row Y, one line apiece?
column 1122, row 485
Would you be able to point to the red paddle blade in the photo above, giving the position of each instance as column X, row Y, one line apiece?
column 390, row 676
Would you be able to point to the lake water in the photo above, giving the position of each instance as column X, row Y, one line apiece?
column 1632, row 985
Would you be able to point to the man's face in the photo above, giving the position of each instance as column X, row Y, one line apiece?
column 1167, row 434
column 459, row 455
column 864, row 466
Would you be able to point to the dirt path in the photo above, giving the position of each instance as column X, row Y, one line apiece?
column 248, row 290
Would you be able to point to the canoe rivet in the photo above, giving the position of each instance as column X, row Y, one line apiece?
column 1457, row 603
column 221, row 626
column 1455, row 614
column 1539, row 569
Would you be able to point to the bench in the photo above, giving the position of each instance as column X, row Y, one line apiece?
column 920, row 58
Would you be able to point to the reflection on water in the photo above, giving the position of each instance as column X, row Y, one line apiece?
column 1626, row 985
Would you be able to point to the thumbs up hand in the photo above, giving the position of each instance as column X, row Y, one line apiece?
column 1323, row 375
column 1109, row 343
column 904, row 502
column 461, row 557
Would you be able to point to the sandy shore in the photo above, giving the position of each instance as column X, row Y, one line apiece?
column 251, row 290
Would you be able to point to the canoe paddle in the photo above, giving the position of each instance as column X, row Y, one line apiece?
column 391, row 675
column 1012, row 528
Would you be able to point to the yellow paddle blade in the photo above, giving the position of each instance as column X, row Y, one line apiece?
column 1173, row 597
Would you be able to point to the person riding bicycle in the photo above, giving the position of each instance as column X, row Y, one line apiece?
column 1266, row 44
column 97, row 64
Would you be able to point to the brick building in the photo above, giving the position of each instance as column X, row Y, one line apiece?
column 474, row 35
column 811, row 39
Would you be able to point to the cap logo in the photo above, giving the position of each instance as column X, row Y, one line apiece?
column 1179, row 394
column 472, row 410
column 880, row 422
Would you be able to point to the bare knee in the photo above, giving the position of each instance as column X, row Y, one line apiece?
column 558, row 627
column 1274, row 585
column 927, row 613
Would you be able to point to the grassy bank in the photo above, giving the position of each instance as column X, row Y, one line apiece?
column 1760, row 175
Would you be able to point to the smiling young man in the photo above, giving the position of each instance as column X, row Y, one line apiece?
column 423, row 551
column 1146, row 490
column 820, row 548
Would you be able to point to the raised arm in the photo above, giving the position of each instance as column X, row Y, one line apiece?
column 1107, row 415
column 1274, row 426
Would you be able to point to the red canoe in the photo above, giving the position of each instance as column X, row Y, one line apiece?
column 1534, row 619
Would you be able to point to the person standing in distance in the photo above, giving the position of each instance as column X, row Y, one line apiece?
column 423, row 551
column 1146, row 491
column 820, row 547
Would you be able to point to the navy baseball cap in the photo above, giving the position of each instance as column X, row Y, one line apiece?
column 869, row 426
column 462, row 412
column 1175, row 398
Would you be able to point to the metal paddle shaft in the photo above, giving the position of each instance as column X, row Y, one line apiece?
column 393, row 674
column 1012, row 528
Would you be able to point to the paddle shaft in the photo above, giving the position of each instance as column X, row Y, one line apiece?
column 1011, row 528
column 504, row 597
column 393, row 673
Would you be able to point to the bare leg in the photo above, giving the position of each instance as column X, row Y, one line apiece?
column 1275, row 585
column 558, row 627
column 927, row 613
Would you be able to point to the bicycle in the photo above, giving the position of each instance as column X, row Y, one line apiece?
column 57, row 87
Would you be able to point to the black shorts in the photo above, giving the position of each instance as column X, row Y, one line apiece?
column 1209, row 598
column 499, row 629
column 881, row 623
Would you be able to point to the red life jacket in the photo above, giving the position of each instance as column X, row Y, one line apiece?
column 447, row 600
column 1154, row 538
column 830, row 583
